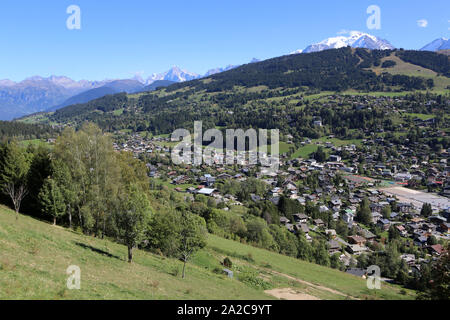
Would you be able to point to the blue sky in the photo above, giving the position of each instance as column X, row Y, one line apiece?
column 119, row 38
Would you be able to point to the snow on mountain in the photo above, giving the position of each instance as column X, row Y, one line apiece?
column 296, row 51
column 355, row 39
column 174, row 74
column 229, row 67
column 219, row 70
column 438, row 44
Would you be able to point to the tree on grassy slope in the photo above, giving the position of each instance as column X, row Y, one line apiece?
column 14, row 167
column 192, row 236
column 131, row 218
column 51, row 199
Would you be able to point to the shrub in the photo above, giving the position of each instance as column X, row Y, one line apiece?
column 175, row 271
column 252, row 280
column 227, row 263
column 388, row 64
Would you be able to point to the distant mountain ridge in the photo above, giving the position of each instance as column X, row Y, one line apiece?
column 175, row 74
column 36, row 94
column 437, row 45
column 356, row 39
column 116, row 86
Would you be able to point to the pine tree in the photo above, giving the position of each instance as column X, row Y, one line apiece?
column 426, row 210
column 363, row 213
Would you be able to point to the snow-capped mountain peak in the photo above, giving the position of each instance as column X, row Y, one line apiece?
column 174, row 74
column 355, row 39
column 438, row 44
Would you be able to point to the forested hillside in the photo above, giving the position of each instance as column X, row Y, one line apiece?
column 270, row 93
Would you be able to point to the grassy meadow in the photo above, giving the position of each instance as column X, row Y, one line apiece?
column 34, row 256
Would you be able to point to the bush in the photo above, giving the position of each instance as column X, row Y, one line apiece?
column 252, row 280
column 175, row 271
column 227, row 263
column 217, row 270
column 388, row 64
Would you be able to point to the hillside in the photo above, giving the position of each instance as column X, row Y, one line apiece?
column 35, row 255
column 117, row 86
column 254, row 91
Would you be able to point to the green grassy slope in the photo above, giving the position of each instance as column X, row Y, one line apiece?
column 34, row 257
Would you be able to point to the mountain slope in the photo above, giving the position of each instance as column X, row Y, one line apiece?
column 331, row 70
column 174, row 74
column 35, row 256
column 158, row 84
column 128, row 86
column 355, row 39
column 438, row 44
column 38, row 94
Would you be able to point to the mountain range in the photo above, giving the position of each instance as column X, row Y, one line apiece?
column 437, row 45
column 355, row 39
column 36, row 94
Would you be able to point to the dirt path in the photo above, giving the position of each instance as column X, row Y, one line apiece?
column 290, row 294
column 311, row 284
column 316, row 286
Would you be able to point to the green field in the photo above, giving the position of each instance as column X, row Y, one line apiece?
column 306, row 150
column 34, row 257
column 421, row 116
column 35, row 142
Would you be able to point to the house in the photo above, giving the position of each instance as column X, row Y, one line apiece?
column 284, row 220
column 356, row 240
column 376, row 216
column 437, row 219
column 290, row 227
column 331, row 232
column 317, row 123
column 404, row 207
column 300, row 217
column 224, row 176
column 255, row 197
column 348, row 216
column 384, row 224
column 318, row 222
column 394, row 216
column 206, row 191
column 436, row 249
column 356, row 249
column 302, row 227
column 275, row 200
column 369, row 236
column 335, row 158
column 420, row 241
column 362, row 273
column 336, row 202
column 333, row 247
column 402, row 230
column 410, row 259
column 444, row 227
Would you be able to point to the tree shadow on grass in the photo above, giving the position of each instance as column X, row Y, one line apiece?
column 96, row 250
